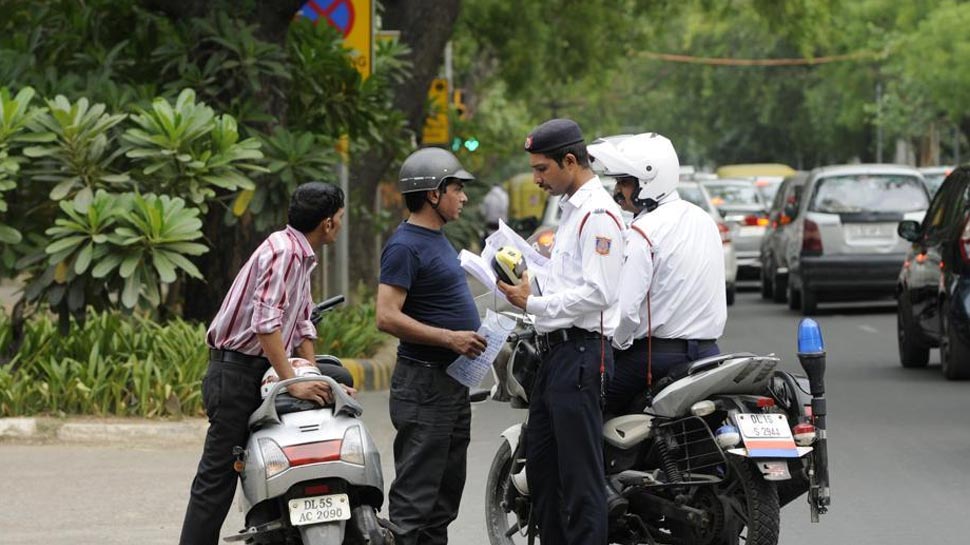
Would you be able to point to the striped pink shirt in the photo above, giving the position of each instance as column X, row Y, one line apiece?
column 270, row 293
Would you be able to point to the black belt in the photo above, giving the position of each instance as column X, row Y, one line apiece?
column 546, row 341
column 678, row 345
column 256, row 365
column 421, row 363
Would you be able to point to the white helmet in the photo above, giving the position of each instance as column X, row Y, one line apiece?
column 301, row 368
column 648, row 157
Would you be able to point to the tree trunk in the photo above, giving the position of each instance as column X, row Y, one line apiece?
column 426, row 26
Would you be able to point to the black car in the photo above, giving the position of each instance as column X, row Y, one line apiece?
column 934, row 284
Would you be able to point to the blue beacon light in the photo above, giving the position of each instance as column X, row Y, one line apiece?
column 810, row 338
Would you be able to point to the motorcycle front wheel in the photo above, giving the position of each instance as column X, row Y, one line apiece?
column 752, row 510
column 497, row 520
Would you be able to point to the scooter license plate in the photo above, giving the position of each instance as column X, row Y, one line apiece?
column 317, row 509
column 767, row 435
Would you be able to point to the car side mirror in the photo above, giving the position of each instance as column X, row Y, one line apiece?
column 909, row 230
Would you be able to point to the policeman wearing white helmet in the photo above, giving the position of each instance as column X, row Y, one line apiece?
column 673, row 305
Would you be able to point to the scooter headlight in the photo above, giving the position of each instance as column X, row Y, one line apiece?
column 352, row 447
column 274, row 461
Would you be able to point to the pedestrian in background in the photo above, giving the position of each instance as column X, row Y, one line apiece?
column 576, row 314
column 424, row 300
column 264, row 317
column 674, row 306
column 495, row 207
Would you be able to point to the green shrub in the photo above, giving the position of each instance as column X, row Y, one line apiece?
column 112, row 364
column 127, row 365
column 350, row 332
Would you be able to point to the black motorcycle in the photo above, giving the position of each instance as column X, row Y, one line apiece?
column 709, row 458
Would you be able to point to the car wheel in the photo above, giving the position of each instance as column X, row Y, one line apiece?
column 954, row 352
column 809, row 301
column 794, row 297
column 780, row 293
column 912, row 351
column 766, row 287
column 731, row 291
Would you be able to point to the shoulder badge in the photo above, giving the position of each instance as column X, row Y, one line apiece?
column 603, row 245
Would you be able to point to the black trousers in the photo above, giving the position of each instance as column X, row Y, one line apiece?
column 564, row 445
column 432, row 416
column 630, row 379
column 230, row 393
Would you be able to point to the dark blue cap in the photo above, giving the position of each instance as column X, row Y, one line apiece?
column 552, row 135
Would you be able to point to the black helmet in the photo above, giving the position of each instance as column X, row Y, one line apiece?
column 427, row 168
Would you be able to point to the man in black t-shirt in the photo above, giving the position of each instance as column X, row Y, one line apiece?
column 424, row 300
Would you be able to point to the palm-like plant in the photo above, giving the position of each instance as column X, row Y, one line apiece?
column 156, row 235
column 293, row 157
column 78, row 155
column 185, row 149
column 15, row 114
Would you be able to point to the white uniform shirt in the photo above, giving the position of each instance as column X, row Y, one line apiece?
column 584, row 269
column 685, row 276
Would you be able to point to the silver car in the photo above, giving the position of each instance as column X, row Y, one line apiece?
column 781, row 215
column 844, row 243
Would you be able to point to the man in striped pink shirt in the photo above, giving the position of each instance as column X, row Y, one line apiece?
column 264, row 318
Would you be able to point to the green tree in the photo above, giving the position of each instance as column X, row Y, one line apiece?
column 276, row 83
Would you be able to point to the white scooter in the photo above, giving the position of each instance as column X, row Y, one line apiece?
column 311, row 474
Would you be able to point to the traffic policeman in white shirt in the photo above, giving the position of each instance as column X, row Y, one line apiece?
column 673, row 305
column 575, row 315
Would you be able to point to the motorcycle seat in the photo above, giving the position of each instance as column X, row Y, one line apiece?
column 677, row 372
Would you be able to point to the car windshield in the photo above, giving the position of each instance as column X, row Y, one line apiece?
column 693, row 195
column 869, row 193
column 734, row 194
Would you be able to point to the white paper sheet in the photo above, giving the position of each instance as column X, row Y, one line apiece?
column 470, row 371
column 480, row 270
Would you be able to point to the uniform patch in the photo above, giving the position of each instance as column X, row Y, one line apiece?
column 603, row 245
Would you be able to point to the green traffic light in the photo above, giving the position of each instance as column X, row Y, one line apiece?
column 471, row 144
column 455, row 144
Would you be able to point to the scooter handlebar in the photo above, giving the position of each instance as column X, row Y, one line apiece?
column 323, row 307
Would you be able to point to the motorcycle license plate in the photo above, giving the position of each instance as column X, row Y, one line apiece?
column 317, row 509
column 767, row 435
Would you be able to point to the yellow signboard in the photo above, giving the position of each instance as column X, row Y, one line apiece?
column 354, row 19
column 436, row 129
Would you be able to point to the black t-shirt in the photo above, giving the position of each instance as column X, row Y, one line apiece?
column 424, row 263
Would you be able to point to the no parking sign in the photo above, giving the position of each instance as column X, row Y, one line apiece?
column 354, row 19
